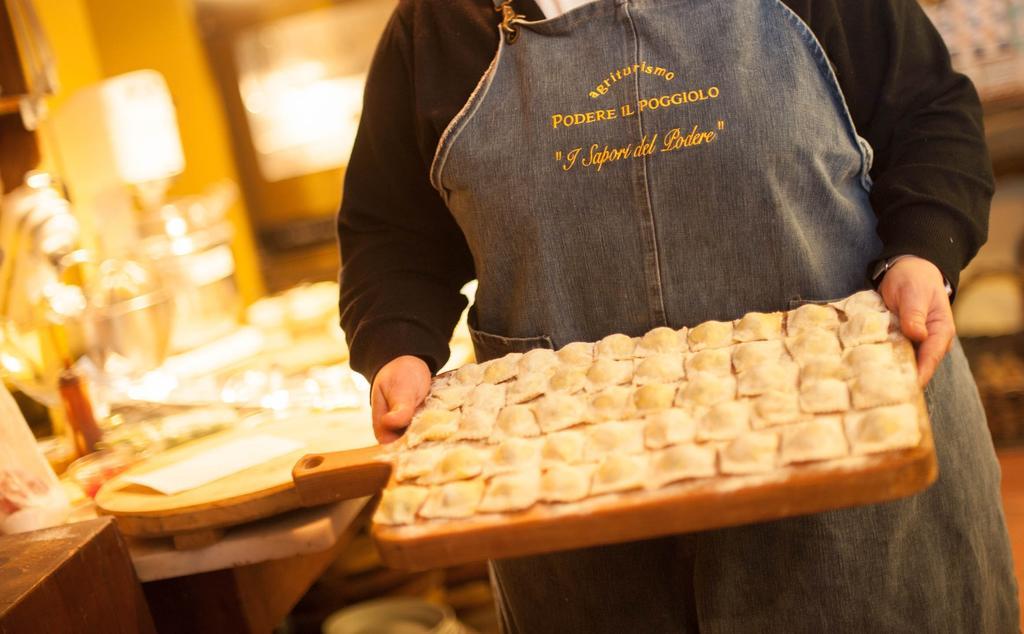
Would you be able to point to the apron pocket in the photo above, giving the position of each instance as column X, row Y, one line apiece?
column 490, row 346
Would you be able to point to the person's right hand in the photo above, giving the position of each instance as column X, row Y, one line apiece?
column 398, row 389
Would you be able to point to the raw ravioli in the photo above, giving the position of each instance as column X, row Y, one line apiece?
column 487, row 397
column 432, row 424
column 527, row 387
column 563, row 447
column 516, row 421
column 776, row 408
column 710, row 334
column 503, row 368
column 606, row 438
column 659, row 368
column 682, row 462
column 811, row 317
column 453, row 396
column 417, row 462
column 470, row 374
column 823, row 368
column 724, row 421
column 704, row 390
column 818, row 439
column 865, row 327
column 824, row 396
column 660, row 340
column 753, row 452
column 881, row 386
column 669, row 427
column 578, row 353
column 814, row 344
column 619, row 472
column 557, row 411
column 568, row 379
column 612, row 403
column 861, row 358
column 883, row 429
column 399, row 505
column 864, row 301
column 654, row 396
column 538, row 360
column 511, row 492
column 474, row 424
column 616, row 346
column 754, row 353
column 605, row 372
column 458, row 463
column 564, row 483
column 453, row 500
column 514, row 454
column 758, row 327
column 711, row 361
column 768, row 377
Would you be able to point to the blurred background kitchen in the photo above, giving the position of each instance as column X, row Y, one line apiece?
column 170, row 172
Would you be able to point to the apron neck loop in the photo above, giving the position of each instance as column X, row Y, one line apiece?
column 508, row 17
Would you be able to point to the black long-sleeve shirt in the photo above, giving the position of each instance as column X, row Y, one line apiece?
column 404, row 258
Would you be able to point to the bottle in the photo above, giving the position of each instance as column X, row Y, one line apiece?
column 78, row 409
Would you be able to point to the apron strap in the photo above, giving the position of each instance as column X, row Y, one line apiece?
column 508, row 17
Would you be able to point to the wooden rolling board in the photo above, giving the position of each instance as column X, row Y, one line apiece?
column 682, row 507
column 194, row 516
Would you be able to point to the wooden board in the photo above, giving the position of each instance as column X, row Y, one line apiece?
column 195, row 516
column 679, row 508
column 688, row 506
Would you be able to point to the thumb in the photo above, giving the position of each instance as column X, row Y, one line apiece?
column 913, row 313
column 401, row 400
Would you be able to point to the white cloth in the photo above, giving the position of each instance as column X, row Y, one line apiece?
column 555, row 8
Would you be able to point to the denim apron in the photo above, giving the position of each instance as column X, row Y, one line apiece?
column 640, row 163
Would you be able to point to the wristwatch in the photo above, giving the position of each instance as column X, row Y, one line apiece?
column 881, row 267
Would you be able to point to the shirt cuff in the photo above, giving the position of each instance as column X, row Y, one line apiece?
column 378, row 342
column 888, row 264
column 929, row 233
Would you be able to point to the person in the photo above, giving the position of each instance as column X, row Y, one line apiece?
column 628, row 164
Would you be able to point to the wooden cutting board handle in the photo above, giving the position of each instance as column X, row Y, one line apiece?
column 341, row 475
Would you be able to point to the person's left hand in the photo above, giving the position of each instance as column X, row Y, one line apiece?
column 915, row 290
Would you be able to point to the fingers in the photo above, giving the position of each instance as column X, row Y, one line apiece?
column 378, row 407
column 911, row 303
column 913, row 318
column 915, row 290
column 398, row 389
column 932, row 350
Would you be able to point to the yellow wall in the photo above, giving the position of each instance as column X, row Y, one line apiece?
column 94, row 39
column 68, row 29
column 66, row 23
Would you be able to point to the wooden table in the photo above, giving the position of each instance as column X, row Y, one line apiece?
column 73, row 578
column 251, row 579
column 247, row 582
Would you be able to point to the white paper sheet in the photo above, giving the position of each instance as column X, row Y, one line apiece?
column 216, row 463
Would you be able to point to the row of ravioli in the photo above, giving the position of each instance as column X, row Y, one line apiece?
column 774, row 390
column 450, row 482
column 861, row 318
